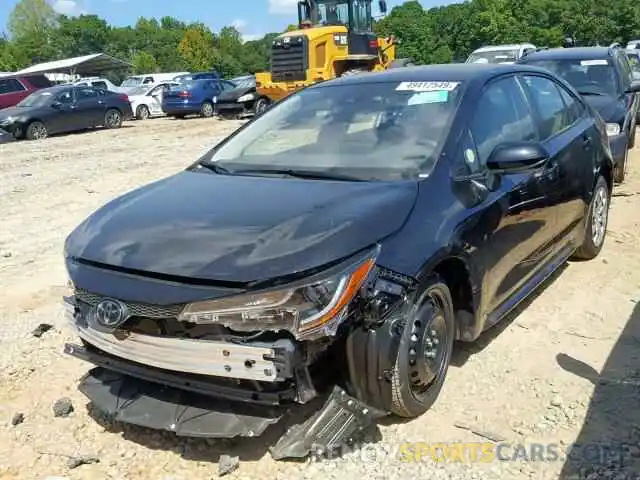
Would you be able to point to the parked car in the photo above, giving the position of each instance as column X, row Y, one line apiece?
column 241, row 100
column 500, row 53
column 99, row 82
column 335, row 244
column 6, row 137
column 212, row 75
column 136, row 81
column 194, row 97
column 65, row 108
column 15, row 88
column 604, row 77
column 146, row 102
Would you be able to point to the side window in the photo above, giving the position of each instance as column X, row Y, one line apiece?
column 11, row 85
column 86, row 94
column 627, row 72
column 148, row 81
column 100, row 84
column 502, row 115
column 65, row 97
column 554, row 114
column 574, row 106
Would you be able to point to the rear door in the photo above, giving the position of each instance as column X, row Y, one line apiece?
column 12, row 91
column 90, row 107
column 518, row 239
column 569, row 136
column 155, row 99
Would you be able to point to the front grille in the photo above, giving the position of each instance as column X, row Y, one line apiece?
column 289, row 59
column 136, row 309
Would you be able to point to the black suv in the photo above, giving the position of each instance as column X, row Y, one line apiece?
column 603, row 76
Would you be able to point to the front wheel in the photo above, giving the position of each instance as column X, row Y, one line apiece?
column 36, row 131
column 260, row 106
column 113, row 118
column 425, row 351
column 597, row 218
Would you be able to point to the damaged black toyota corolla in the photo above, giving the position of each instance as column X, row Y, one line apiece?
column 332, row 250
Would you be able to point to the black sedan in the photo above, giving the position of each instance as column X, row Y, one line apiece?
column 340, row 242
column 242, row 100
column 64, row 109
column 605, row 78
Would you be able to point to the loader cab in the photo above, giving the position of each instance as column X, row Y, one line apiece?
column 355, row 15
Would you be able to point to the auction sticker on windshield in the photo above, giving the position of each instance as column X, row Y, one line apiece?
column 435, row 96
column 426, row 86
column 588, row 63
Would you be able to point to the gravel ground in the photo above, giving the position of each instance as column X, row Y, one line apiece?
column 562, row 369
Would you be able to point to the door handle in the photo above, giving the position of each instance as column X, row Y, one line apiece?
column 586, row 141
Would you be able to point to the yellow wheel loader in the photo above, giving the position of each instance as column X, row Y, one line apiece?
column 334, row 38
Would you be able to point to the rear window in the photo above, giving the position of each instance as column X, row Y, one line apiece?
column 10, row 85
column 39, row 81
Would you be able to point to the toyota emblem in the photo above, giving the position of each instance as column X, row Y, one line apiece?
column 111, row 313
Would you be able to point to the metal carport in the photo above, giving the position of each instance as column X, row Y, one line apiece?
column 88, row 65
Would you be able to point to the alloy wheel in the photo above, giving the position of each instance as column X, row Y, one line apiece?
column 599, row 216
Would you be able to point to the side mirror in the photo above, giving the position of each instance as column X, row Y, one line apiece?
column 382, row 5
column 56, row 105
column 513, row 157
column 634, row 87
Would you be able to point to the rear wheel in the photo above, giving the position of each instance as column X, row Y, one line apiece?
column 425, row 351
column 113, row 118
column 37, row 131
column 206, row 110
column 597, row 218
column 142, row 112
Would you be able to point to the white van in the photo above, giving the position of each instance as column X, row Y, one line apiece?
column 135, row 81
column 500, row 53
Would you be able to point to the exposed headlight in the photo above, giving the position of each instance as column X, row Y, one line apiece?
column 613, row 129
column 306, row 310
column 246, row 97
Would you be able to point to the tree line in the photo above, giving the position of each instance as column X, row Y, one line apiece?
column 36, row 33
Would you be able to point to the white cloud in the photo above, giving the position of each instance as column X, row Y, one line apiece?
column 239, row 24
column 283, row 7
column 68, row 7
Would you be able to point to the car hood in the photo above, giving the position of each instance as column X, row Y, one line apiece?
column 238, row 228
column 233, row 95
column 609, row 108
column 15, row 112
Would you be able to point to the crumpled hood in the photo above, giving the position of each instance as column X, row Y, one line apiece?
column 609, row 108
column 239, row 228
column 235, row 93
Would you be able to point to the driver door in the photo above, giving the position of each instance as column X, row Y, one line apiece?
column 155, row 99
column 517, row 221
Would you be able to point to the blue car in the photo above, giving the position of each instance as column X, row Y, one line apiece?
column 194, row 97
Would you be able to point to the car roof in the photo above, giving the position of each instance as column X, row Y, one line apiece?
column 451, row 72
column 572, row 53
column 511, row 46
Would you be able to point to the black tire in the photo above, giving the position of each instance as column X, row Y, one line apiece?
column 206, row 109
column 36, row 131
column 620, row 171
column 113, row 118
column 591, row 246
column 142, row 112
column 428, row 332
column 260, row 106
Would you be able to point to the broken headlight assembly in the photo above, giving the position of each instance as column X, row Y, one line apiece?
column 306, row 310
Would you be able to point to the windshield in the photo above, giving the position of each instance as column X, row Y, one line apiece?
column 378, row 131
column 132, row 82
column 243, row 82
column 494, row 56
column 591, row 76
column 38, row 99
column 333, row 12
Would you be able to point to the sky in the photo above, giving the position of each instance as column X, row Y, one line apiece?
column 253, row 18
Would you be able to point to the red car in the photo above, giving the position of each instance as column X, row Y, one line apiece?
column 14, row 88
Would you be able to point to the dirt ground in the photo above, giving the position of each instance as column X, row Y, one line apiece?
column 563, row 369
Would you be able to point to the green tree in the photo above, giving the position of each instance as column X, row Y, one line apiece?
column 81, row 35
column 144, row 62
column 197, row 48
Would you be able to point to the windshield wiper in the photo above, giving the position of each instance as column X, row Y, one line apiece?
column 290, row 172
column 591, row 92
column 214, row 167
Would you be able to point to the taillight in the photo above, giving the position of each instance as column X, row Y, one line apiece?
column 124, row 97
column 373, row 43
column 184, row 94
